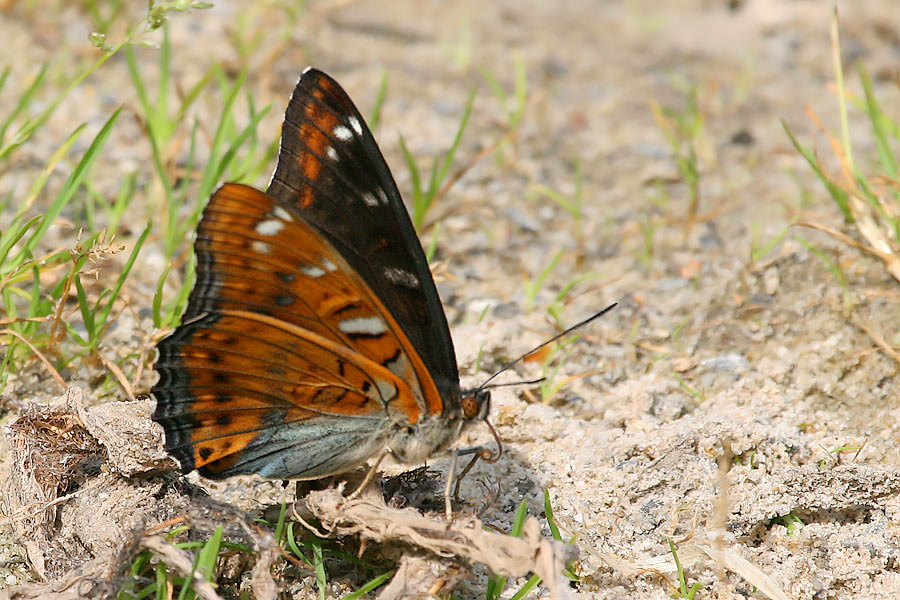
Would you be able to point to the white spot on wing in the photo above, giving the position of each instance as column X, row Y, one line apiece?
column 363, row 325
column 331, row 153
column 312, row 270
column 270, row 227
column 343, row 133
column 382, row 196
column 261, row 247
column 354, row 123
column 402, row 277
column 282, row 214
column 387, row 389
column 399, row 366
column 369, row 199
column 329, row 266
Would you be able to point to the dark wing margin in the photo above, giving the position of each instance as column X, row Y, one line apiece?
column 331, row 170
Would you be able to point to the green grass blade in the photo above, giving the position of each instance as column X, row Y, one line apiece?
column 535, row 286
column 375, row 117
column 519, row 520
column 33, row 124
column 841, row 198
column 42, row 178
column 73, row 182
column 369, row 586
column 319, row 567
column 126, row 193
column 158, row 297
column 3, row 78
column 292, row 543
column 532, row 583
column 520, row 90
column 161, row 114
column 879, row 125
column 416, row 181
column 206, row 561
column 84, row 306
column 448, row 160
column 433, row 244
column 212, row 171
column 24, row 100
column 832, row 266
column 761, row 251
column 123, row 275
column 551, row 522
column 494, row 86
column 13, row 234
column 249, row 130
column 143, row 99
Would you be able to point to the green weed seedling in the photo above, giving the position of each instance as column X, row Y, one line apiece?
column 835, row 453
column 554, row 309
column 555, row 533
column 35, row 323
column 312, row 550
column 227, row 141
column 155, row 18
column 683, row 590
column 867, row 198
column 424, row 196
column 573, row 204
column 512, row 104
column 833, row 267
column 696, row 394
column 20, row 269
column 380, row 97
column 534, row 285
column 556, row 359
column 791, row 522
column 682, row 128
column 155, row 579
column 496, row 583
column 758, row 250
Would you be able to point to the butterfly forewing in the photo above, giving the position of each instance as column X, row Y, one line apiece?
column 330, row 167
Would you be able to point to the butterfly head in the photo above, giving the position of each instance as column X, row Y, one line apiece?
column 475, row 405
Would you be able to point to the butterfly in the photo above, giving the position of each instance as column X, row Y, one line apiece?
column 314, row 338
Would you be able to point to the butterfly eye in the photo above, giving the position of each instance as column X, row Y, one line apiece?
column 472, row 405
column 469, row 407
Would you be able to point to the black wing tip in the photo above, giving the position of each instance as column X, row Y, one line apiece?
column 312, row 73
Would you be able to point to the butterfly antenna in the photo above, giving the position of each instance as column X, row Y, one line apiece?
column 511, row 363
column 513, row 383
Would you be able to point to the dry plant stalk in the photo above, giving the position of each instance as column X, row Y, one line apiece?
column 463, row 538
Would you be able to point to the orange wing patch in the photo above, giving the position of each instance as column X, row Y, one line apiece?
column 268, row 260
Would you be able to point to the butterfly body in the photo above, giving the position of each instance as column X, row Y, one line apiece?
column 314, row 338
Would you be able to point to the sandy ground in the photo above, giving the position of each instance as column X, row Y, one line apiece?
column 710, row 402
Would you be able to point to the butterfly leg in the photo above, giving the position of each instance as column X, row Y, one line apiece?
column 477, row 452
column 451, row 475
column 370, row 475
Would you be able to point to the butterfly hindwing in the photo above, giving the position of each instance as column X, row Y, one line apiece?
column 331, row 169
column 282, row 346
